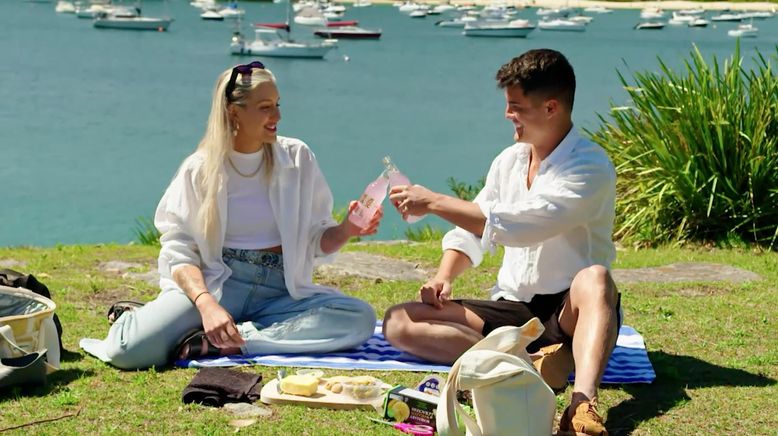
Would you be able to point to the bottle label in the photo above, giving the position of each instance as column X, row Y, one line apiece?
column 367, row 201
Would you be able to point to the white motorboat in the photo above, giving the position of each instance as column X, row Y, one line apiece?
column 727, row 17
column 598, row 10
column 361, row 4
column 744, row 31
column 310, row 16
column 562, row 25
column 699, row 22
column 510, row 29
column 652, row 14
column 418, row 13
column 761, row 15
column 580, row 19
column 555, row 12
column 65, row 7
column 456, row 22
column 650, row 25
column 126, row 18
column 108, row 21
column 348, row 32
column 205, row 5
column 212, row 16
column 409, row 7
column 442, row 8
column 680, row 19
column 90, row 11
column 276, row 42
column 335, row 8
column 232, row 13
column 692, row 12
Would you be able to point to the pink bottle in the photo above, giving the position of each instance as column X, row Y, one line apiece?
column 369, row 202
column 397, row 178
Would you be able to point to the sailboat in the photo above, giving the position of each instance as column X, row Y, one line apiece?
column 277, row 42
column 113, row 20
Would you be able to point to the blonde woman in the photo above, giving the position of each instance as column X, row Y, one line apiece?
column 242, row 223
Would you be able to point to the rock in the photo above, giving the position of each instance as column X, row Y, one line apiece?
column 685, row 272
column 240, row 423
column 123, row 268
column 117, row 266
column 247, row 410
column 373, row 267
column 150, row 277
column 12, row 263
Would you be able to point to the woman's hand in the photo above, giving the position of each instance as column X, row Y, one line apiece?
column 412, row 199
column 219, row 326
column 352, row 229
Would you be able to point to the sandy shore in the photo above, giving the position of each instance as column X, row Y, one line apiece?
column 670, row 5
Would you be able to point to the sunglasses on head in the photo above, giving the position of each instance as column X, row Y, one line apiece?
column 242, row 70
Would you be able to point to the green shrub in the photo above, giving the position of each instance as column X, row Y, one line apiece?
column 697, row 153
column 424, row 233
column 145, row 232
column 463, row 190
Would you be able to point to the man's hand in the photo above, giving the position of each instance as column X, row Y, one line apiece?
column 435, row 292
column 219, row 326
column 412, row 199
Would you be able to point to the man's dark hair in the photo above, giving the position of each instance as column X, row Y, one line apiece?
column 543, row 71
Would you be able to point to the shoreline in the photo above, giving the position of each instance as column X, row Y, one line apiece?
column 667, row 5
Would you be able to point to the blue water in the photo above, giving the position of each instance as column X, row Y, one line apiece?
column 93, row 123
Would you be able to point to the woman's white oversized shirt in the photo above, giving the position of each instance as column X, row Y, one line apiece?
column 302, row 206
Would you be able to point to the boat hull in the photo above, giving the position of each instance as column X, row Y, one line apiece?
column 327, row 33
column 499, row 32
column 159, row 24
column 299, row 52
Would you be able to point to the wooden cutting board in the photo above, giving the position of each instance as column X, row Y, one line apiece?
column 322, row 398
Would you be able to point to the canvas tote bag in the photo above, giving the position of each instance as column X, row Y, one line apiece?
column 27, row 326
column 509, row 396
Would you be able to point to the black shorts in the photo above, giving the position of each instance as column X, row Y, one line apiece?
column 513, row 313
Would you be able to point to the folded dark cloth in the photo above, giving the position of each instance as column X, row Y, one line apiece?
column 216, row 386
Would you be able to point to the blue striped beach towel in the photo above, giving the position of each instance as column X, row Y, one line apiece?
column 628, row 364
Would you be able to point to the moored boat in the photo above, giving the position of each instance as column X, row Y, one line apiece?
column 510, row 29
column 348, row 32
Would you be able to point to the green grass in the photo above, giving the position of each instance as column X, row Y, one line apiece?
column 713, row 346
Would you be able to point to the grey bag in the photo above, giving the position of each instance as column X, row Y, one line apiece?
column 29, row 369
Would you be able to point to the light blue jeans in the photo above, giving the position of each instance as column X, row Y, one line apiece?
column 268, row 318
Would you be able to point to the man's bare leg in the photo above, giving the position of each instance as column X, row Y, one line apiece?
column 437, row 335
column 589, row 316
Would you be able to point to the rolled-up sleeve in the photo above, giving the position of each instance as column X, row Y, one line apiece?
column 321, row 208
column 173, row 218
column 575, row 195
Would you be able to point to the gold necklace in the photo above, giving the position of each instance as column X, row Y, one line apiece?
column 248, row 176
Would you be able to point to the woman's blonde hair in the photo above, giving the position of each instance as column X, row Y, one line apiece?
column 217, row 142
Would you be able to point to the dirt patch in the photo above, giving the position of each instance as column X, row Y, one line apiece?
column 106, row 297
column 701, row 291
column 685, row 272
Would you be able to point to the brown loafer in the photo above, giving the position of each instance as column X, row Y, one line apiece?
column 586, row 421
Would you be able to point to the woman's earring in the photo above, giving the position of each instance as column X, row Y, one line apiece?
column 235, row 130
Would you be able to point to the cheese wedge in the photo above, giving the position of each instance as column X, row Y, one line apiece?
column 304, row 385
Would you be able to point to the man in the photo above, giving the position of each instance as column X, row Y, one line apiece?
column 549, row 199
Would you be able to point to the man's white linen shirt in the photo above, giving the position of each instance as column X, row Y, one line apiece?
column 551, row 231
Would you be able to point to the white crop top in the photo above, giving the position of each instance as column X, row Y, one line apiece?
column 250, row 221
